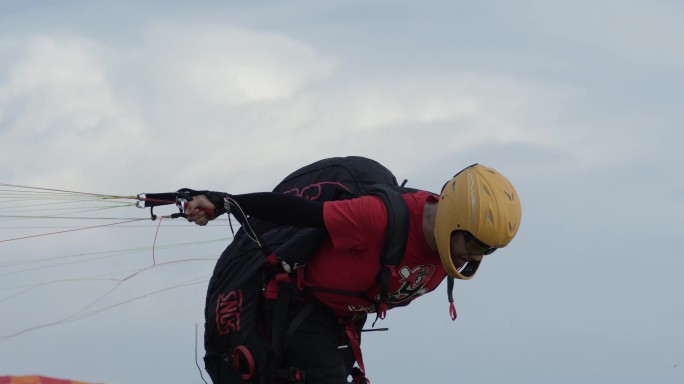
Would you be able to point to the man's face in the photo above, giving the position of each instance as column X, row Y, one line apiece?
column 459, row 253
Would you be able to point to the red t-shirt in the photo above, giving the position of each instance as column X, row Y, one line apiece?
column 350, row 259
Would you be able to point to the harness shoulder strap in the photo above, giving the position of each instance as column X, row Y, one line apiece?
column 395, row 239
column 397, row 223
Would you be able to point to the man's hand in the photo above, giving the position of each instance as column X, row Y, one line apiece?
column 198, row 210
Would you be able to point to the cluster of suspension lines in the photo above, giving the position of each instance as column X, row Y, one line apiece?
column 52, row 239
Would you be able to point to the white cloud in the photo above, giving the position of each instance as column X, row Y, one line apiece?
column 57, row 79
column 221, row 66
column 72, row 107
column 193, row 105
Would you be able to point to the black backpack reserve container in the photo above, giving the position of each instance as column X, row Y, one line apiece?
column 244, row 342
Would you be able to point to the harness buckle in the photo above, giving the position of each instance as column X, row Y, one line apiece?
column 359, row 377
column 294, row 375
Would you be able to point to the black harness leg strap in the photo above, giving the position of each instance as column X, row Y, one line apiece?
column 354, row 342
column 280, row 317
column 294, row 325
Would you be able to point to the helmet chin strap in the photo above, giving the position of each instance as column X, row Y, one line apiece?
column 469, row 269
column 465, row 272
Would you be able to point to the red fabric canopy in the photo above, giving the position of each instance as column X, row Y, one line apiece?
column 36, row 380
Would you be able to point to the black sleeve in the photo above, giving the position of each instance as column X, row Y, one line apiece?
column 282, row 209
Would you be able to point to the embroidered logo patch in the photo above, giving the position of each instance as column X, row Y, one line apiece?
column 228, row 309
column 413, row 283
column 315, row 191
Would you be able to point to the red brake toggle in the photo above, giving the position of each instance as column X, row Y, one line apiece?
column 452, row 311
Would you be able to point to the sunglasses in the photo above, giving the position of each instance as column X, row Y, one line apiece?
column 475, row 246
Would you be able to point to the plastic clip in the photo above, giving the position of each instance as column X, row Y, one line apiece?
column 294, row 375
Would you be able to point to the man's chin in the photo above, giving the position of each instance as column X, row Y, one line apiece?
column 458, row 263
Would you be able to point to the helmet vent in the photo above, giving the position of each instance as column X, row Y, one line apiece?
column 490, row 217
column 510, row 197
column 485, row 190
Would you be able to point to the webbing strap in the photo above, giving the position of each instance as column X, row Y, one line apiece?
column 397, row 223
column 383, row 280
column 359, row 377
column 291, row 375
column 295, row 375
column 362, row 295
column 395, row 240
column 280, row 315
column 354, row 343
column 294, row 325
column 450, row 295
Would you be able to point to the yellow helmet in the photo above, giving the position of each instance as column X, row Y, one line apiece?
column 482, row 202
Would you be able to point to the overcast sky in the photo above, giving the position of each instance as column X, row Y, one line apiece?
column 577, row 103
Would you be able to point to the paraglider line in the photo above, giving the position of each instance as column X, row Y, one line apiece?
column 70, row 230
